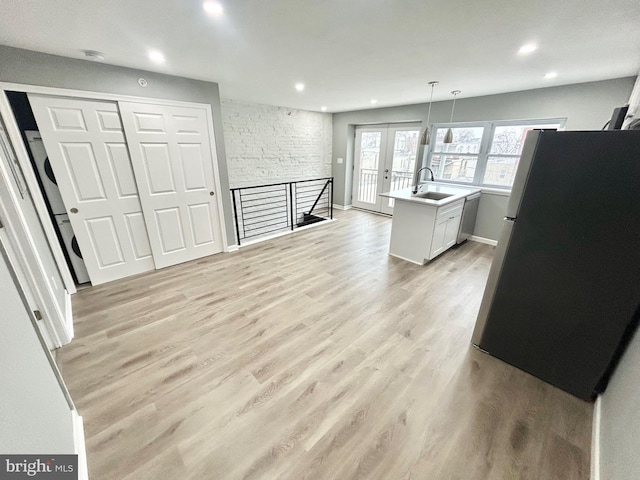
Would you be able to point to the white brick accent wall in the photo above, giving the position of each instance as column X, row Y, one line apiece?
column 267, row 144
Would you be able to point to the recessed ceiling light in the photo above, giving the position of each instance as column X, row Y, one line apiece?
column 373, row 101
column 94, row 55
column 156, row 56
column 213, row 9
column 527, row 48
column 550, row 75
column 299, row 86
column 323, row 108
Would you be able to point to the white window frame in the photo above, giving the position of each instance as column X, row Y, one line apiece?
column 485, row 145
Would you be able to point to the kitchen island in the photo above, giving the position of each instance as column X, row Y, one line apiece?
column 425, row 224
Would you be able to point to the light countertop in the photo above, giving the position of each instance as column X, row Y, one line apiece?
column 456, row 192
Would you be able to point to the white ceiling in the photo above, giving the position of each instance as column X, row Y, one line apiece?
column 346, row 52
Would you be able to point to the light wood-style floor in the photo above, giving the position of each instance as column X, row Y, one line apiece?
column 311, row 356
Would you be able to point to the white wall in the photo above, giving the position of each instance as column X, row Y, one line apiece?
column 35, row 417
column 620, row 419
column 267, row 144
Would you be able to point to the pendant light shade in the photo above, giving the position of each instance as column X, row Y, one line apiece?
column 448, row 137
column 426, row 135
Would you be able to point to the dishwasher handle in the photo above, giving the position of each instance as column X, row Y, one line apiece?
column 473, row 196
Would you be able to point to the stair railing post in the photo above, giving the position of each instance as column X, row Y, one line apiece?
column 291, row 204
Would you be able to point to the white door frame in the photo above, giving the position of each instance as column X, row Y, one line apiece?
column 23, row 157
column 59, row 325
column 20, row 149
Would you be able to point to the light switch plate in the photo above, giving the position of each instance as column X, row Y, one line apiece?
column 339, row 160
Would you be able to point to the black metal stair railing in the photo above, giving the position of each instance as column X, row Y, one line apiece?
column 265, row 209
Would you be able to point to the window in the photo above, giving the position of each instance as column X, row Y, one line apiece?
column 482, row 153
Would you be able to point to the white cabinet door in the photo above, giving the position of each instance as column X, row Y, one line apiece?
column 172, row 158
column 451, row 233
column 90, row 159
column 439, row 235
column 445, row 232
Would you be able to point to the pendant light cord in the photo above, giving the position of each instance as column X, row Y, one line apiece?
column 430, row 102
column 453, row 107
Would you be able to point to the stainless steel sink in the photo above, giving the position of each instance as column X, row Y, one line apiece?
column 432, row 195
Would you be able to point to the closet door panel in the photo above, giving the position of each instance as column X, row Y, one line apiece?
column 90, row 158
column 172, row 157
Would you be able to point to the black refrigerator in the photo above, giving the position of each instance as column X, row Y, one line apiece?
column 563, row 293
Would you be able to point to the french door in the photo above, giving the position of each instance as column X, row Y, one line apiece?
column 384, row 161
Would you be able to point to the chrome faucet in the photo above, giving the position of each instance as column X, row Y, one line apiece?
column 417, row 182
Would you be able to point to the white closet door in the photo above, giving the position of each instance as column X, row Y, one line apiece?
column 90, row 159
column 172, row 158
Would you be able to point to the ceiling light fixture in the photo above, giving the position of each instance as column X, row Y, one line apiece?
column 373, row 101
column 156, row 56
column 323, row 108
column 426, row 135
column 94, row 55
column 299, row 86
column 527, row 48
column 213, row 9
column 448, row 137
column 550, row 75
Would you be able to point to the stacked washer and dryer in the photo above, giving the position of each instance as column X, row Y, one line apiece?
column 52, row 193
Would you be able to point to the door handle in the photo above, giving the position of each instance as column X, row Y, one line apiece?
column 211, row 193
column 74, row 210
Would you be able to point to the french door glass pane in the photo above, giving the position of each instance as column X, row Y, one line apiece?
column 458, row 168
column 369, row 160
column 405, row 148
column 465, row 140
column 501, row 170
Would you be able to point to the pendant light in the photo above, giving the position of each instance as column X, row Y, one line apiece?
column 426, row 136
column 448, row 137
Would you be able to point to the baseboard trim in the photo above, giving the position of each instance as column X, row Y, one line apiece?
column 595, row 439
column 342, row 207
column 387, row 215
column 233, row 248
column 248, row 243
column 405, row 259
column 68, row 306
column 79, row 445
column 488, row 241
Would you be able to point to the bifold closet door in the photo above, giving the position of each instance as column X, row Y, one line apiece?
column 172, row 157
column 90, row 159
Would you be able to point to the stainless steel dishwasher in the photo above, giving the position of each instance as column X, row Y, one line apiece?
column 468, row 220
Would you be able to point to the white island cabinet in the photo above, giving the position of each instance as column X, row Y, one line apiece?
column 425, row 227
